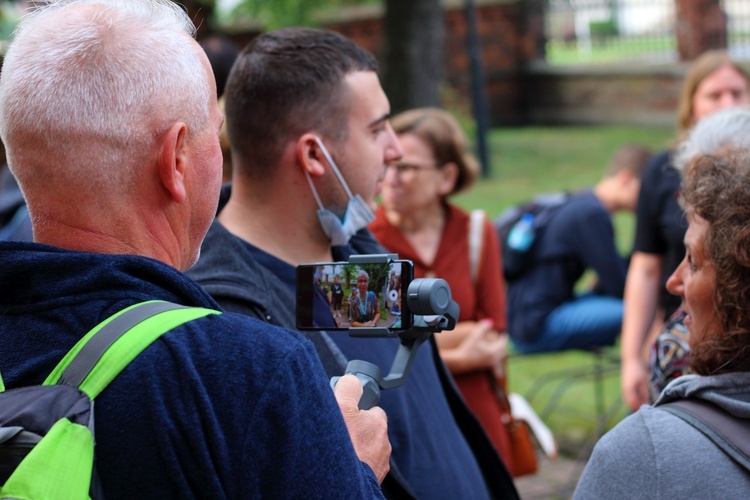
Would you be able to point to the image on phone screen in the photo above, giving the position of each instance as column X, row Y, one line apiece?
column 340, row 295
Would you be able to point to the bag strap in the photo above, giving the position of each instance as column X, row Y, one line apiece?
column 111, row 345
column 730, row 434
column 476, row 234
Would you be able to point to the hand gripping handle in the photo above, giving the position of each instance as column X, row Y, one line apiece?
column 369, row 376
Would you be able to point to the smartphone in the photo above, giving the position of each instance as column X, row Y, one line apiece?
column 341, row 295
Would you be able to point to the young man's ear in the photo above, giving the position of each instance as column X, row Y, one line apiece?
column 448, row 178
column 173, row 160
column 310, row 156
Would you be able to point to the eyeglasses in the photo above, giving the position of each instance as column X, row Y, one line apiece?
column 409, row 169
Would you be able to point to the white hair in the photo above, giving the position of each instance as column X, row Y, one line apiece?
column 722, row 130
column 87, row 86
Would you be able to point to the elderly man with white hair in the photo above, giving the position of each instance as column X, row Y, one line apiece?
column 108, row 112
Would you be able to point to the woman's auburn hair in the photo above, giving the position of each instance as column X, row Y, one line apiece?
column 717, row 189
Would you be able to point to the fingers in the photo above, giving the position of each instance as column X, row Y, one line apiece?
column 368, row 429
column 478, row 333
column 634, row 385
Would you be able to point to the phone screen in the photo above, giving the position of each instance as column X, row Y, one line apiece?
column 340, row 295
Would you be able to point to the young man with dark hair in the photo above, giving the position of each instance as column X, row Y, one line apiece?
column 310, row 137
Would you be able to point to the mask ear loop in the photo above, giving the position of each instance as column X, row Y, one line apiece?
column 314, row 191
column 334, row 168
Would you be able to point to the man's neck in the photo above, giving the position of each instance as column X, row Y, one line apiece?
column 130, row 236
column 277, row 225
column 605, row 193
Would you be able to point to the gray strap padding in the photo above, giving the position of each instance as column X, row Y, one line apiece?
column 92, row 351
column 7, row 433
column 729, row 433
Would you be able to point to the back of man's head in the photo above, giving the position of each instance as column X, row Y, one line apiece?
column 630, row 157
column 285, row 83
column 88, row 86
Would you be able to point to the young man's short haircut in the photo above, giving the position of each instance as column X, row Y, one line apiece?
column 285, row 83
column 633, row 157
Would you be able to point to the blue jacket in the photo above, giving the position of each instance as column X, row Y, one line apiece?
column 222, row 407
column 579, row 236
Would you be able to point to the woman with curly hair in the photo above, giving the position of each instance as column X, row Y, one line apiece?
column 713, row 82
column 654, row 451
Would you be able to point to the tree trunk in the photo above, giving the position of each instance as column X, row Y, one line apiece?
column 413, row 66
column 701, row 25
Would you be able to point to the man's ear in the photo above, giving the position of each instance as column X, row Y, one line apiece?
column 448, row 178
column 310, row 156
column 173, row 161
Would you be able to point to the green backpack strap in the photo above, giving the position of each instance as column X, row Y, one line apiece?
column 110, row 346
column 66, row 453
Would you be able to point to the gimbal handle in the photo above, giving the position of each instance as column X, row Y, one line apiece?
column 431, row 298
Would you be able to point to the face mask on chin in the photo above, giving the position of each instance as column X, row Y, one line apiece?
column 357, row 216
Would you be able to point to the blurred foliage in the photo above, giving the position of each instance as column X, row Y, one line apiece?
column 278, row 13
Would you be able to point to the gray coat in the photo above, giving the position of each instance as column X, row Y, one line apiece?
column 654, row 454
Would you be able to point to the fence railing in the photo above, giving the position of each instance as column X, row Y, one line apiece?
column 602, row 31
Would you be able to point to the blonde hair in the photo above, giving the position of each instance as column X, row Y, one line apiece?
column 443, row 134
column 702, row 67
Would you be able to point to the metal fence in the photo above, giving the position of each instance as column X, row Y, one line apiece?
column 643, row 31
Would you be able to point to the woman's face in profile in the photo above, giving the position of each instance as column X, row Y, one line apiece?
column 695, row 281
column 721, row 89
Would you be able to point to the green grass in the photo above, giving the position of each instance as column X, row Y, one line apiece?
column 532, row 160
column 611, row 49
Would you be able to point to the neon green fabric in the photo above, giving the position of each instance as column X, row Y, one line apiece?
column 59, row 467
column 126, row 348
column 65, row 456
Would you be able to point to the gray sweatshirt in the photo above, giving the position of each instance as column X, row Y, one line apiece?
column 654, row 454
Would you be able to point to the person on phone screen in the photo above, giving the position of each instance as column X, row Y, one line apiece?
column 363, row 305
column 337, row 297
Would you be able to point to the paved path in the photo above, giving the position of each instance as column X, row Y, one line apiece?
column 554, row 479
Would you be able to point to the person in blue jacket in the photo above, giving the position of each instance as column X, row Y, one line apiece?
column 108, row 112
column 545, row 311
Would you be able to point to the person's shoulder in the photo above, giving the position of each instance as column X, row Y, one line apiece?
column 226, row 265
column 218, row 250
column 580, row 206
column 658, row 166
column 227, row 332
column 363, row 242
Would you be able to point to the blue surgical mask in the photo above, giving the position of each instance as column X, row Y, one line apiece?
column 357, row 216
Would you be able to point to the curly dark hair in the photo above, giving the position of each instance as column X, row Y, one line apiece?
column 717, row 188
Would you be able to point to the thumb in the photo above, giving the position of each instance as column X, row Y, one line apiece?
column 348, row 392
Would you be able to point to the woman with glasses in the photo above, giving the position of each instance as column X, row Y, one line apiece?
column 416, row 220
